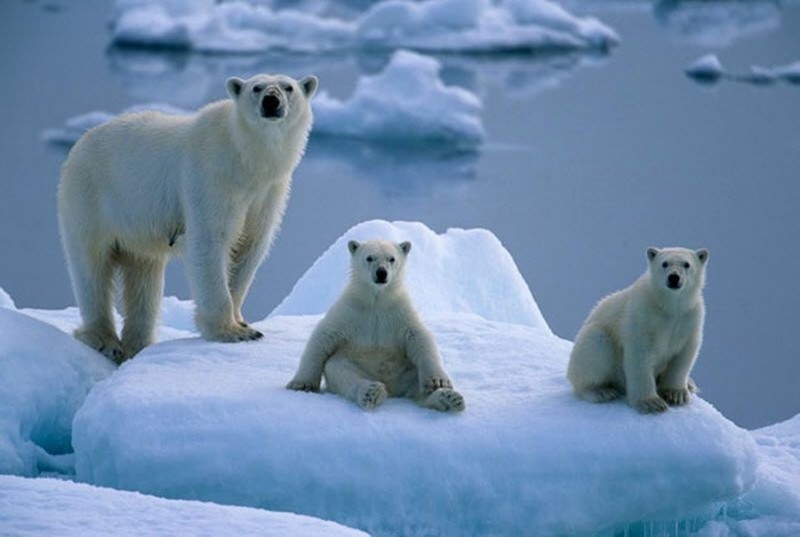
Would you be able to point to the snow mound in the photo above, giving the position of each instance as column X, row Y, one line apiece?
column 55, row 507
column 45, row 376
column 440, row 25
column 460, row 271
column 209, row 421
column 5, row 300
column 406, row 102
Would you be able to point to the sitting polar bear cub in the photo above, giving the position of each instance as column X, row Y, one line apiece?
column 371, row 344
column 131, row 189
column 643, row 341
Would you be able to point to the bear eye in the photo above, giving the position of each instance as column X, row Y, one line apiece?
column 370, row 259
column 665, row 264
column 686, row 265
column 257, row 88
column 288, row 88
column 391, row 260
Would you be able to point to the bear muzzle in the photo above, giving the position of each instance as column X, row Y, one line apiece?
column 674, row 281
column 381, row 276
column 272, row 106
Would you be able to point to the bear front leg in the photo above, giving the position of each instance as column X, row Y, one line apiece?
column 421, row 350
column 321, row 345
column 674, row 384
column 207, row 268
column 640, row 383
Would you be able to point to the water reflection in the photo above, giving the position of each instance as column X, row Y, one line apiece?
column 717, row 23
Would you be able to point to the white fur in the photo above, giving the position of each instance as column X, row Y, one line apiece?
column 371, row 344
column 643, row 341
column 213, row 185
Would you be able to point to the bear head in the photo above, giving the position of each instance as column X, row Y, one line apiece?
column 264, row 100
column 677, row 269
column 377, row 263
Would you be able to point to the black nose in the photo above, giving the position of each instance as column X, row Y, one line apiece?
column 271, row 106
column 381, row 275
column 674, row 281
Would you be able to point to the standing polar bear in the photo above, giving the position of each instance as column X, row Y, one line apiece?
column 371, row 344
column 212, row 185
column 643, row 341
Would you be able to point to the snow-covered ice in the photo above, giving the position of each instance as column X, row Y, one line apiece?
column 45, row 376
column 433, row 25
column 195, row 420
column 55, row 507
column 406, row 102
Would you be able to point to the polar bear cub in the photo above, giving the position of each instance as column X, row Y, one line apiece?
column 643, row 341
column 212, row 185
column 371, row 344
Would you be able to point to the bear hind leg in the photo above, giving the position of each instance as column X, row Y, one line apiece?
column 345, row 378
column 593, row 368
column 142, row 289
column 93, row 285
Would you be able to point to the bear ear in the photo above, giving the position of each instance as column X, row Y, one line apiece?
column 702, row 255
column 353, row 246
column 652, row 253
column 405, row 247
column 234, row 86
column 309, row 85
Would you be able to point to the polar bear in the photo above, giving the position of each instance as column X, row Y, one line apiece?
column 643, row 341
column 371, row 344
column 212, row 186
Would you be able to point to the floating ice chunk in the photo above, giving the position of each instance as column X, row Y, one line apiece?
column 56, row 507
column 707, row 68
column 407, row 102
column 75, row 127
column 789, row 73
column 460, row 271
column 211, row 421
column 44, row 377
column 480, row 26
column 451, row 25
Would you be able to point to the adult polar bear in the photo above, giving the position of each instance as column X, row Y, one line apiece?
column 132, row 188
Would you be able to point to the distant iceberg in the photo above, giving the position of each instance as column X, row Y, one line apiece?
column 717, row 23
column 432, row 25
column 406, row 103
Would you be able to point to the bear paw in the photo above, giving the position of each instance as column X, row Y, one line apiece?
column 372, row 395
column 236, row 333
column 302, row 386
column 651, row 405
column 433, row 383
column 108, row 345
column 446, row 400
column 675, row 396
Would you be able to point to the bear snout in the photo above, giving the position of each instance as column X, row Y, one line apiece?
column 674, row 281
column 381, row 275
column 271, row 106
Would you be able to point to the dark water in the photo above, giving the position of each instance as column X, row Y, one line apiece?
column 589, row 160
